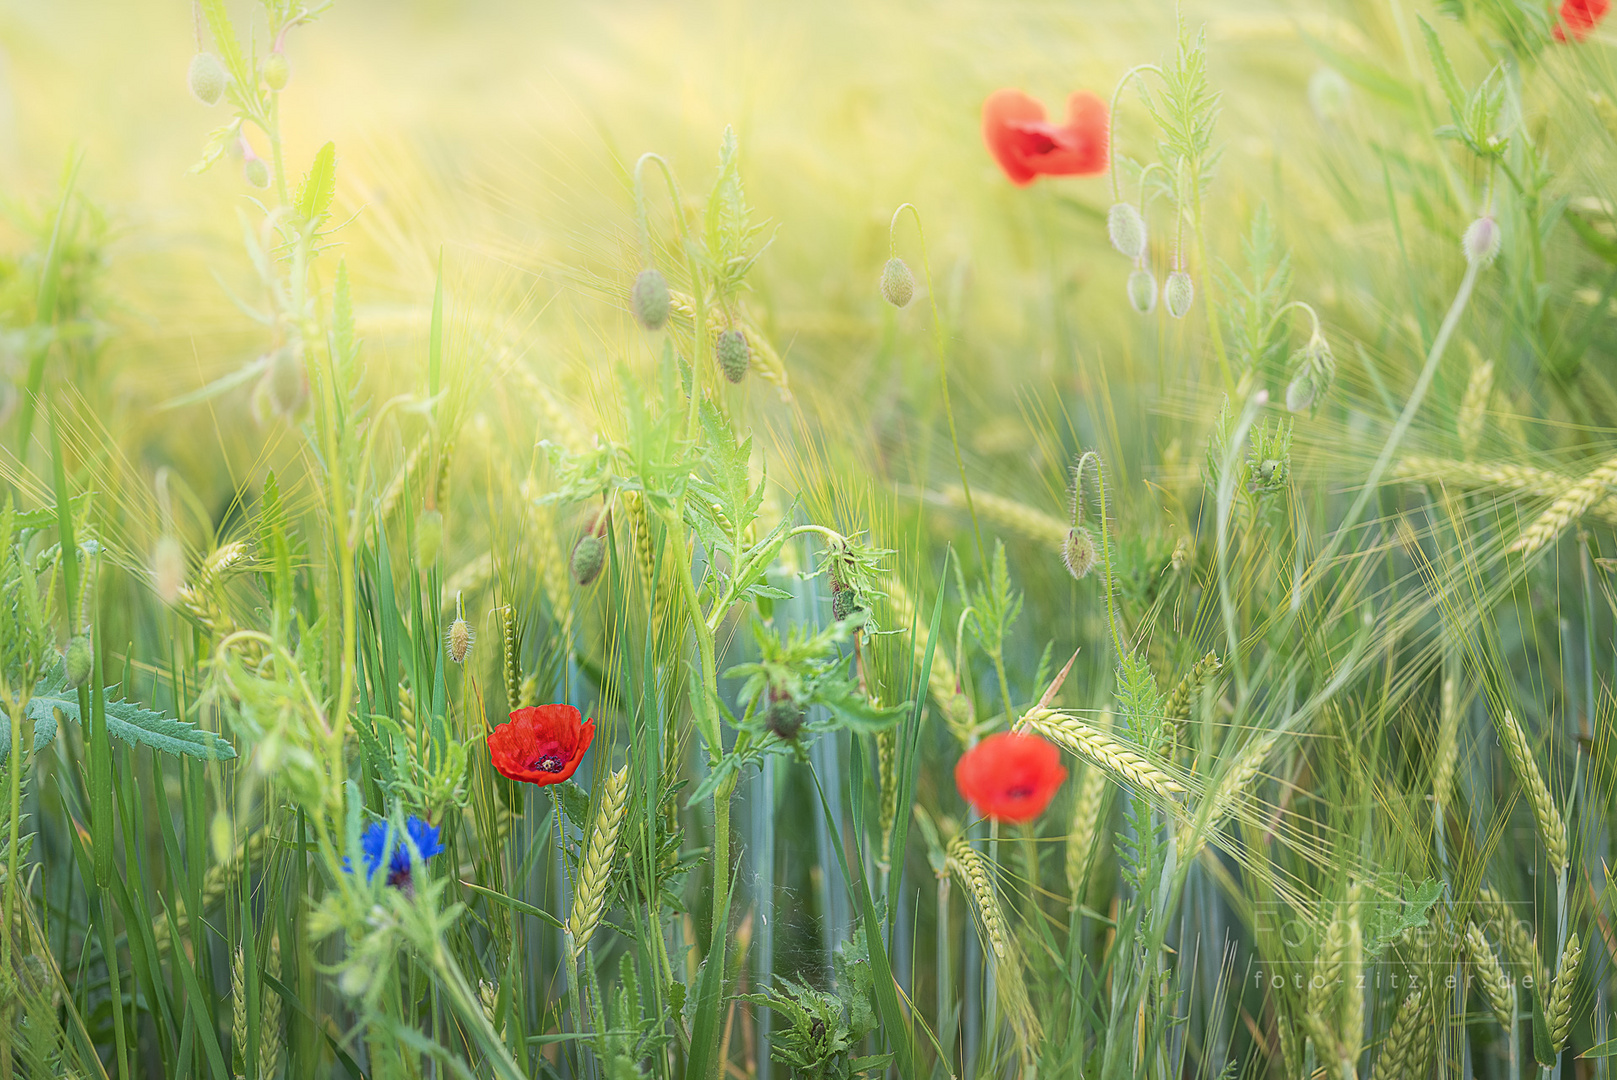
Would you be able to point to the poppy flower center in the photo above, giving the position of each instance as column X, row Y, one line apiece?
column 1020, row 791
column 549, row 763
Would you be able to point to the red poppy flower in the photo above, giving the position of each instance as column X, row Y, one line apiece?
column 541, row 745
column 1010, row 776
column 1579, row 18
column 1027, row 146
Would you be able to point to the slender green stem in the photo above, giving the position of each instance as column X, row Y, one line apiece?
column 1111, row 123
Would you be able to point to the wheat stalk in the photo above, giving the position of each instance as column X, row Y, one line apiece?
column 1572, row 504
column 238, row 1009
column 595, row 875
column 967, row 865
column 214, row 884
column 1519, row 943
column 1101, row 748
column 1551, row 826
column 1558, row 1013
column 511, row 638
column 1448, row 747
column 1485, row 965
column 887, row 766
column 1176, row 709
column 1019, row 518
column 1086, row 809
column 269, row 1027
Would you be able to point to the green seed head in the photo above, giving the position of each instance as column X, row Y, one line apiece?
column 1143, row 291
column 649, row 298
column 1126, row 228
column 76, row 660
column 734, row 355
column 207, row 78
column 276, row 70
column 1178, row 293
column 897, row 283
column 589, row 555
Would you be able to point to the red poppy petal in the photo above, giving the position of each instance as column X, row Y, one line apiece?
column 1003, row 109
column 1080, row 149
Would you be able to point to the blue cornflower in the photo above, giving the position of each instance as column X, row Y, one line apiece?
column 379, row 845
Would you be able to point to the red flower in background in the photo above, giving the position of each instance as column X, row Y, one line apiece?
column 542, row 745
column 1579, row 18
column 1010, row 776
column 1027, row 146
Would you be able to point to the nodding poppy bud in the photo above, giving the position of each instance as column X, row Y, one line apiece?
column 1126, row 228
column 784, row 718
column 284, row 389
column 734, row 355
column 897, row 283
column 1481, row 241
column 589, row 555
column 429, row 536
column 1302, row 392
column 649, row 298
column 1328, row 93
column 1178, row 293
column 1078, row 552
column 276, row 70
column 255, row 172
column 76, row 660
column 1143, row 291
column 207, row 78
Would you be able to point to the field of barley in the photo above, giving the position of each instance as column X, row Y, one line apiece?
column 733, row 540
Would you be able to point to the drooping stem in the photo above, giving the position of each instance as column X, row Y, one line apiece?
column 1111, row 122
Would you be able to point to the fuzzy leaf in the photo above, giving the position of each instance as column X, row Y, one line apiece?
column 127, row 721
column 314, row 198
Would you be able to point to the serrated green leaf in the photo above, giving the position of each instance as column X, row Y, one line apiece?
column 224, row 39
column 319, row 186
column 1446, row 79
column 212, row 150
column 127, row 721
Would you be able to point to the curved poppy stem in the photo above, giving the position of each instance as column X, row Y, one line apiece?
column 641, row 217
column 943, row 367
column 1111, row 121
column 1279, row 314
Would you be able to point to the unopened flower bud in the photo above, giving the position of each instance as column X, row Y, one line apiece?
column 1143, row 291
column 734, row 355
column 844, row 601
column 207, row 78
column 897, row 283
column 276, row 70
column 459, row 639
column 1178, row 293
column 1481, row 241
column 649, row 298
column 1078, row 552
column 1301, row 392
column 284, row 389
column 76, row 661
column 784, row 718
column 589, row 556
column 1126, row 228
column 1328, row 93
column 255, row 172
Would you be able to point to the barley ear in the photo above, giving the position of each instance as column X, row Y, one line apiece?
column 1485, row 966
column 1558, row 1013
column 1448, row 746
column 887, row 762
column 1551, row 826
column 1176, row 710
column 269, row 1027
column 1402, row 1052
column 595, row 875
column 1569, row 507
column 511, row 638
column 1086, row 814
column 1097, row 746
column 966, row 864
column 238, row 1010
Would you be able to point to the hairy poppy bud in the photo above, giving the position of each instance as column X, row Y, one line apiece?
column 784, row 718
column 589, row 555
column 649, row 298
column 255, row 172
column 1481, row 241
column 734, row 355
column 1126, row 228
column 207, row 78
column 897, row 283
column 276, row 70
column 459, row 639
column 1078, row 552
column 1301, row 392
column 429, row 536
column 1178, row 293
column 76, row 660
column 284, row 389
column 1143, row 291
column 1328, row 93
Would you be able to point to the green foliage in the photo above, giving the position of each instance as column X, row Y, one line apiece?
column 126, row 721
column 821, row 1029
